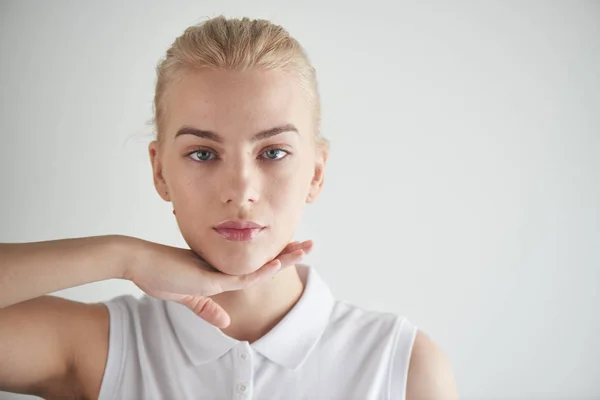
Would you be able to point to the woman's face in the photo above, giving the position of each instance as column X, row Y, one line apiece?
column 238, row 146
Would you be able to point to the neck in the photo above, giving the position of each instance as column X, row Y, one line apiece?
column 256, row 310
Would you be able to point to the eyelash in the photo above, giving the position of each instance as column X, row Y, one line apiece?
column 287, row 153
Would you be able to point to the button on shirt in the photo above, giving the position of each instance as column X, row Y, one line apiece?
column 322, row 349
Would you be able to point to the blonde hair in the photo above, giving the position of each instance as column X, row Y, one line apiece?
column 235, row 43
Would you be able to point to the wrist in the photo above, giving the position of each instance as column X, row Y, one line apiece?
column 125, row 253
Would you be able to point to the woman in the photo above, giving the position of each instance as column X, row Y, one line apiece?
column 238, row 153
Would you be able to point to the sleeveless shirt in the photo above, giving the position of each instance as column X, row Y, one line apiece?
column 322, row 349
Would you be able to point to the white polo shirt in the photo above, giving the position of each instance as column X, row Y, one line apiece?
column 322, row 349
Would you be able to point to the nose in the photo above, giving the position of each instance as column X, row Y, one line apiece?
column 239, row 184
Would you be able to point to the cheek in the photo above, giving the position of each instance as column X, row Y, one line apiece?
column 195, row 193
column 286, row 190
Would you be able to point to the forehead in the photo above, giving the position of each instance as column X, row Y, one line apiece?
column 236, row 102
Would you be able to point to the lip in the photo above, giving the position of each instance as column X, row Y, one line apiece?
column 239, row 224
column 239, row 231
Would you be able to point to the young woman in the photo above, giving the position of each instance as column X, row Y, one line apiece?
column 238, row 153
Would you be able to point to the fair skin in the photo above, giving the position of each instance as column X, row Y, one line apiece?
column 57, row 348
column 239, row 176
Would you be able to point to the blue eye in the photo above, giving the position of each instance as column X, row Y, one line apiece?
column 271, row 154
column 275, row 154
column 203, row 155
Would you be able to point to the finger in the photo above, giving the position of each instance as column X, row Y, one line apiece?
column 307, row 244
column 290, row 258
column 207, row 309
column 292, row 246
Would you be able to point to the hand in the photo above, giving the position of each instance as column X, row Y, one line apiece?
column 180, row 275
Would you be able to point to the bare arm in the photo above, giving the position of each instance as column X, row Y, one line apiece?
column 29, row 270
column 52, row 347
column 430, row 375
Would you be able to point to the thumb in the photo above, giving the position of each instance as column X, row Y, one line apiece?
column 207, row 309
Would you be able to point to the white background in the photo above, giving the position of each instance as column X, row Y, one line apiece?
column 463, row 187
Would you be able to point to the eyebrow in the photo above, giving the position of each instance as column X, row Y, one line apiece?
column 210, row 135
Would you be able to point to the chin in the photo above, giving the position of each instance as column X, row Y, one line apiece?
column 237, row 263
column 235, row 258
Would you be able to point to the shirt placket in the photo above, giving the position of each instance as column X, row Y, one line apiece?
column 242, row 366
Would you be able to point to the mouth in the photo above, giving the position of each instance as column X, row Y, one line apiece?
column 239, row 231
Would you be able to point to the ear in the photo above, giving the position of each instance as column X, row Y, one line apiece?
column 318, row 178
column 154, row 150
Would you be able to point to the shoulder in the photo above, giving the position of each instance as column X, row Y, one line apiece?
column 352, row 321
column 134, row 313
column 106, row 324
column 367, row 331
column 429, row 374
column 51, row 342
column 99, row 332
column 90, row 347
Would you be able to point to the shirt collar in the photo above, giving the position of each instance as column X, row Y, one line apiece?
column 288, row 344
